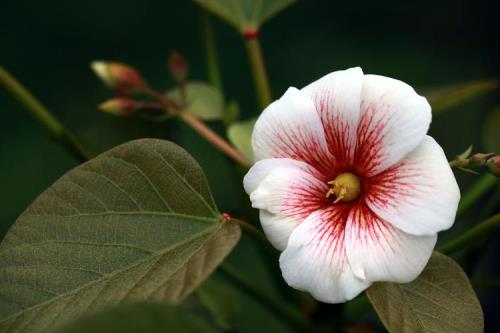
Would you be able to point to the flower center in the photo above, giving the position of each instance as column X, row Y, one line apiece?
column 345, row 187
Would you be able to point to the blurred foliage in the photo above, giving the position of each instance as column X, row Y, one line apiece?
column 444, row 99
column 240, row 135
column 222, row 302
column 144, row 317
column 203, row 100
column 491, row 132
column 245, row 15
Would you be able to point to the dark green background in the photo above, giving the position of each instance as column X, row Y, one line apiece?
column 48, row 45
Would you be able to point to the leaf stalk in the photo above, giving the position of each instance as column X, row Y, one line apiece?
column 295, row 318
column 261, row 82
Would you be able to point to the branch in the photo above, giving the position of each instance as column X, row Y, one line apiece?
column 43, row 116
column 472, row 235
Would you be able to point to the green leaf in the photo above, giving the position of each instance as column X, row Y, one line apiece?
column 232, row 113
column 441, row 299
column 143, row 317
column 491, row 132
column 137, row 222
column 203, row 100
column 240, row 135
column 245, row 15
column 449, row 97
column 222, row 302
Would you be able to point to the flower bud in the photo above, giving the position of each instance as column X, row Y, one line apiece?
column 120, row 77
column 493, row 165
column 480, row 158
column 119, row 106
column 177, row 67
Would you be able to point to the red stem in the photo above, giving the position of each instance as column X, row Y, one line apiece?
column 150, row 105
column 213, row 138
column 201, row 128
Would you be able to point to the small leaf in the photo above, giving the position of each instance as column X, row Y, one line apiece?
column 245, row 15
column 466, row 153
column 143, row 317
column 491, row 132
column 137, row 222
column 474, row 172
column 240, row 135
column 441, row 299
column 222, row 302
column 449, row 97
column 203, row 100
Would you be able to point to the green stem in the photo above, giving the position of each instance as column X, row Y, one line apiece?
column 270, row 256
column 472, row 235
column 483, row 185
column 258, row 71
column 42, row 115
column 282, row 309
column 254, row 233
column 211, row 53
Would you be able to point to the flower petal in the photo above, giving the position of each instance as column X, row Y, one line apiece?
column 377, row 251
column 278, row 228
column 394, row 120
column 419, row 195
column 337, row 97
column 291, row 128
column 286, row 191
column 262, row 168
column 315, row 259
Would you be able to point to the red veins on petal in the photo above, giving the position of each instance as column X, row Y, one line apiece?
column 369, row 228
column 370, row 135
column 329, row 232
column 304, row 199
column 299, row 146
column 337, row 132
column 390, row 187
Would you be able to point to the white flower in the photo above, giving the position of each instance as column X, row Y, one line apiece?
column 348, row 184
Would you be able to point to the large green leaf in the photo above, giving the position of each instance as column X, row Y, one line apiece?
column 446, row 98
column 240, row 135
column 137, row 222
column 245, row 15
column 491, row 132
column 203, row 100
column 441, row 299
column 139, row 317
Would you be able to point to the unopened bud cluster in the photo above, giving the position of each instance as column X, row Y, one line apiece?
column 121, row 78
column 119, row 106
column 493, row 165
column 489, row 161
column 126, row 81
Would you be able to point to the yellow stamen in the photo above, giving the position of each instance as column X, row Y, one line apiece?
column 345, row 187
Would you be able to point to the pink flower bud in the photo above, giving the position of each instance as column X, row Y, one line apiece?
column 493, row 165
column 119, row 106
column 177, row 67
column 120, row 77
